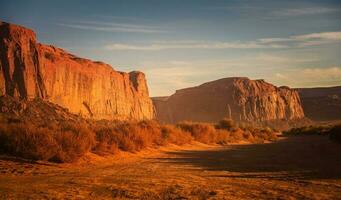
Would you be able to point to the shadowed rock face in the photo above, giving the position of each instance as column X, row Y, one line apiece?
column 241, row 99
column 321, row 103
column 32, row 70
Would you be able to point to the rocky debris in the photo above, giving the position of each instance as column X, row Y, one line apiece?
column 15, row 110
column 240, row 99
column 92, row 89
column 322, row 103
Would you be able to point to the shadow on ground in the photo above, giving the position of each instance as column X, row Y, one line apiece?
column 296, row 157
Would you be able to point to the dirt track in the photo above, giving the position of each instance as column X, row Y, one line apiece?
column 292, row 168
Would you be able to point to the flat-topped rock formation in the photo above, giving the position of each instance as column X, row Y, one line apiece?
column 240, row 99
column 323, row 103
column 92, row 89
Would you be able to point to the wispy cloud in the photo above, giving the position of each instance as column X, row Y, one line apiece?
column 313, row 39
column 112, row 27
column 309, row 77
column 296, row 12
column 191, row 45
column 324, row 35
column 286, row 11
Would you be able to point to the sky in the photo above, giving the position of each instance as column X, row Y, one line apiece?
column 184, row 43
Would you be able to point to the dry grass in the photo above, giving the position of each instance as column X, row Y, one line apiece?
column 60, row 144
column 74, row 141
column 225, row 132
column 333, row 131
column 68, row 141
column 28, row 141
column 175, row 135
column 308, row 130
column 201, row 132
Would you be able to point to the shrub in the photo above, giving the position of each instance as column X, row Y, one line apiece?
column 107, row 141
column 227, row 124
column 27, row 141
column 131, row 137
column 152, row 130
column 74, row 141
column 201, row 132
column 223, row 137
column 265, row 134
column 308, row 130
column 61, row 141
column 174, row 135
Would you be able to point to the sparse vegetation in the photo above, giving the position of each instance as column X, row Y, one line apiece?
column 227, row 124
column 226, row 131
column 334, row 131
column 60, row 144
column 68, row 141
column 308, row 130
column 28, row 141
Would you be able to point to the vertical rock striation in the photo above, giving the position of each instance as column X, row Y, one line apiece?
column 241, row 99
column 92, row 89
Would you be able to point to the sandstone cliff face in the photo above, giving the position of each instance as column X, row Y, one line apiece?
column 321, row 103
column 93, row 89
column 241, row 99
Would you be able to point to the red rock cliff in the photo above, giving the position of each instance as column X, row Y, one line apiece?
column 241, row 99
column 33, row 70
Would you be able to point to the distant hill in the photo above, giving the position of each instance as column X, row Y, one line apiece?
column 323, row 103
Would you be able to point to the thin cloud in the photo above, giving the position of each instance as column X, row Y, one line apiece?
column 191, row 45
column 310, row 77
column 313, row 39
column 296, row 12
column 112, row 27
column 324, row 35
column 266, row 12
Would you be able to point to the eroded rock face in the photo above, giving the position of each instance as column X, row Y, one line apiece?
column 241, row 99
column 94, row 89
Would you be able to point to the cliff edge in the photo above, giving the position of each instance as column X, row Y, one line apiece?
column 92, row 89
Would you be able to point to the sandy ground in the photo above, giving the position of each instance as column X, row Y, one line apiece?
column 304, row 167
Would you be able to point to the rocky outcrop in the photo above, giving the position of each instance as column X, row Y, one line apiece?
column 93, row 89
column 322, row 103
column 240, row 99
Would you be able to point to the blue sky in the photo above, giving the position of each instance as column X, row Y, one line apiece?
column 185, row 43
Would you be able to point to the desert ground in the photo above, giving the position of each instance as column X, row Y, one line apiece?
column 296, row 167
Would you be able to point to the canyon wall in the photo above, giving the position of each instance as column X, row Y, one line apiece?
column 240, row 99
column 91, row 89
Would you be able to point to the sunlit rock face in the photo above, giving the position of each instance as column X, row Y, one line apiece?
column 240, row 99
column 92, row 89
